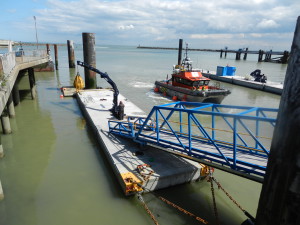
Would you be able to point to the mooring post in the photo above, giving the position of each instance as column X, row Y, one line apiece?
column 245, row 54
column 71, row 54
column 179, row 52
column 10, row 106
column 32, row 82
column 6, row 129
column 280, row 196
column 56, row 56
column 221, row 53
column 89, row 57
column 260, row 55
column 48, row 49
column 284, row 58
column 226, row 52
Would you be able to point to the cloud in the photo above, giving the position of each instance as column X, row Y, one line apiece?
column 265, row 23
column 165, row 21
column 127, row 27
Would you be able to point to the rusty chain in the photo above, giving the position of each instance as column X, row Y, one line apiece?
column 147, row 209
column 234, row 201
column 183, row 210
column 213, row 196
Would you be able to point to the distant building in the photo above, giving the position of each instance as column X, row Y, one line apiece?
column 5, row 43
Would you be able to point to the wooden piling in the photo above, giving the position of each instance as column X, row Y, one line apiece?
column 48, row 49
column 32, row 82
column 180, row 52
column 56, row 56
column 89, row 56
column 71, row 54
column 285, row 57
column 245, row 54
column 221, row 53
column 280, row 196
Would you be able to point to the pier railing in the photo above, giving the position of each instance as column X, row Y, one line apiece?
column 9, row 60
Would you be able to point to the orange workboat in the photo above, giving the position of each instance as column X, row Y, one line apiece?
column 188, row 84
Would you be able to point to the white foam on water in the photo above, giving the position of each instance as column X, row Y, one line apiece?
column 139, row 84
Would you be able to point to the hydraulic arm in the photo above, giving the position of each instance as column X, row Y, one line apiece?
column 110, row 81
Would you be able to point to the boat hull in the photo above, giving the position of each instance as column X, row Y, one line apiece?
column 184, row 94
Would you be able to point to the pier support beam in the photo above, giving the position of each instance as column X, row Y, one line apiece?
column 32, row 82
column 10, row 106
column 279, row 202
column 71, row 54
column 221, row 53
column 89, row 57
column 16, row 93
column 1, row 153
column 5, row 122
column 56, row 56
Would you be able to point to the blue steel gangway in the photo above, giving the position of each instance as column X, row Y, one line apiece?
column 236, row 139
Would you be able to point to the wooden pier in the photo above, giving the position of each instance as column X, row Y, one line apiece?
column 281, row 56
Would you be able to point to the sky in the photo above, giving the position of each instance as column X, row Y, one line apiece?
column 214, row 24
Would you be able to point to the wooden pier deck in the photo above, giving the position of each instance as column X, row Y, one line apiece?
column 125, row 156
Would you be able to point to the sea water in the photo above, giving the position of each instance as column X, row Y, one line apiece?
column 54, row 172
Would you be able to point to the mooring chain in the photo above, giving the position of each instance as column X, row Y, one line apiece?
column 147, row 209
column 213, row 196
column 183, row 210
column 234, row 201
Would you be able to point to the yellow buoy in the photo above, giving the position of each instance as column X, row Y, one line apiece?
column 78, row 82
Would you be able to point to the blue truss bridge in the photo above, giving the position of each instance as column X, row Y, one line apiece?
column 236, row 139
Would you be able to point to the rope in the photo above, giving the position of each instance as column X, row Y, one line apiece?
column 147, row 209
column 214, row 199
column 183, row 210
column 234, row 201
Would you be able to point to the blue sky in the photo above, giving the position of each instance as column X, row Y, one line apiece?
column 257, row 24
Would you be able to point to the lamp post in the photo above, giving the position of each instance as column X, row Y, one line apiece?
column 37, row 42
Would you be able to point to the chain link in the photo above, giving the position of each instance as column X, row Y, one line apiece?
column 214, row 198
column 147, row 209
column 228, row 195
column 183, row 210
column 234, row 201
